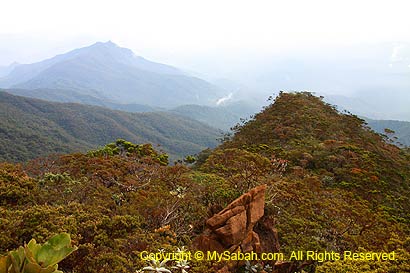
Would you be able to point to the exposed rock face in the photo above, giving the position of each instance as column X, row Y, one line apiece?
column 240, row 227
column 232, row 228
column 268, row 235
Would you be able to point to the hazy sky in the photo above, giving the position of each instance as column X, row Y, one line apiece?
column 171, row 29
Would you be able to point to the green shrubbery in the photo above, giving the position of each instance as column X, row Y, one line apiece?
column 333, row 189
column 114, row 206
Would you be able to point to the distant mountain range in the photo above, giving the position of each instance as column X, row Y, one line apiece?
column 109, row 76
column 377, row 103
column 401, row 130
column 107, row 72
column 60, row 95
column 31, row 128
column 5, row 70
column 371, row 80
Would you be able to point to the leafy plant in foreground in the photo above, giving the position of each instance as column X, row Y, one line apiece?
column 36, row 258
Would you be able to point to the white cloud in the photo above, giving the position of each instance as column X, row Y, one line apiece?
column 223, row 100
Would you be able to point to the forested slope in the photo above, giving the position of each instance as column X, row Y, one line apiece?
column 332, row 185
column 31, row 128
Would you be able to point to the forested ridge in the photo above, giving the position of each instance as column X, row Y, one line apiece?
column 332, row 185
column 32, row 128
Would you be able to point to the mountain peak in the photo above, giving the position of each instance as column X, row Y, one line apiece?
column 109, row 43
column 115, row 73
column 106, row 45
column 298, row 116
column 106, row 51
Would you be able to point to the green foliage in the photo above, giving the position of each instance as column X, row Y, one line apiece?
column 201, row 158
column 113, row 206
column 214, row 190
column 315, row 139
column 15, row 185
column 242, row 169
column 398, row 265
column 36, row 258
column 190, row 159
column 125, row 148
column 344, row 186
column 333, row 185
column 31, row 128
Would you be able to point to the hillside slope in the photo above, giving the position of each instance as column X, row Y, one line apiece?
column 32, row 128
column 335, row 185
column 313, row 135
column 60, row 95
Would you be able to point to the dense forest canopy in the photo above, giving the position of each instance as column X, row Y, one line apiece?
column 332, row 185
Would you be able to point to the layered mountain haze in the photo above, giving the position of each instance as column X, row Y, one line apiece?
column 370, row 80
column 375, row 103
column 108, row 72
column 5, row 70
column 223, row 117
column 32, row 128
column 397, row 131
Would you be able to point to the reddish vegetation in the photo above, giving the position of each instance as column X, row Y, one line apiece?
column 320, row 181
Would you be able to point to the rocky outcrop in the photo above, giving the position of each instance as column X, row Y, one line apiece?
column 232, row 228
column 268, row 235
column 243, row 227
